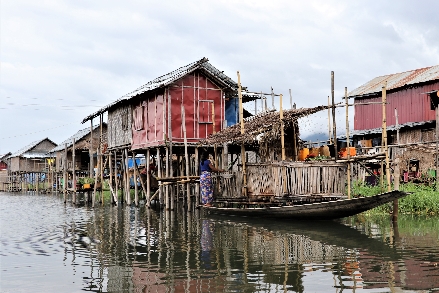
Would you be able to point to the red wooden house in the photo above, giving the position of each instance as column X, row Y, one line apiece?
column 151, row 115
column 410, row 100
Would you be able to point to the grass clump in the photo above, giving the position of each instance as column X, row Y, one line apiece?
column 422, row 199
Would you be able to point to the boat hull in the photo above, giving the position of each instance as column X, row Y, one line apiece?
column 316, row 211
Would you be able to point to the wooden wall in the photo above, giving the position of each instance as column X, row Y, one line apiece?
column 119, row 127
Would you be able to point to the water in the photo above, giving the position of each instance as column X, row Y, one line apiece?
column 47, row 246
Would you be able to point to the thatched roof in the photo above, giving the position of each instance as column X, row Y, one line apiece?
column 264, row 126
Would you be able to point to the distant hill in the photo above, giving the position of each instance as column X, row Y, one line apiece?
column 315, row 137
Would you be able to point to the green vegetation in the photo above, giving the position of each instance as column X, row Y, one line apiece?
column 422, row 200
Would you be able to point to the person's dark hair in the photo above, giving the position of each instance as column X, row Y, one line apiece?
column 204, row 157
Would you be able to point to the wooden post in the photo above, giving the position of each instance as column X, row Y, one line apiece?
column 159, row 174
column 101, row 159
column 91, row 149
column 171, row 169
column 116, row 178
column 386, row 149
column 148, row 180
column 291, row 99
column 186, row 157
column 110, row 183
column 334, row 128
column 397, row 126
column 241, row 118
column 282, row 135
column 329, row 122
column 65, row 173
column 127, row 178
column 136, row 195
column 348, row 141
column 167, row 195
column 74, row 172
column 437, row 145
column 93, row 196
column 197, row 187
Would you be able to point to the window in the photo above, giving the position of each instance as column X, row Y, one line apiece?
column 124, row 118
column 205, row 111
column 138, row 118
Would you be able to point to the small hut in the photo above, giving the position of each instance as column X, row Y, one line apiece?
column 29, row 165
column 74, row 153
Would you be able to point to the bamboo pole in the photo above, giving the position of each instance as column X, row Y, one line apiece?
column 127, row 182
column 148, row 180
column 241, row 118
column 74, row 171
column 282, row 134
column 171, row 169
column 65, row 173
column 91, row 149
column 136, row 195
column 93, row 197
column 197, row 188
column 116, row 179
column 159, row 173
column 110, row 183
column 348, row 142
column 437, row 145
column 386, row 149
column 167, row 199
column 101, row 158
column 334, row 128
column 397, row 126
column 186, row 156
column 329, row 122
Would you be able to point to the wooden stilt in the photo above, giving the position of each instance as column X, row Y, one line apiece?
column 136, row 194
column 167, row 196
column 65, row 173
column 241, row 118
column 197, row 186
column 74, row 172
column 110, row 167
column 186, row 157
column 148, row 180
column 348, row 142
column 128, row 199
column 159, row 173
column 334, row 128
column 116, row 176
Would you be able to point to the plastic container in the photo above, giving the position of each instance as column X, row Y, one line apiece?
column 344, row 154
column 303, row 153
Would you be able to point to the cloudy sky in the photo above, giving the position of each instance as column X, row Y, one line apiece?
column 63, row 60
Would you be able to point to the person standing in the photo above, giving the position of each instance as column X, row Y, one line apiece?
column 207, row 168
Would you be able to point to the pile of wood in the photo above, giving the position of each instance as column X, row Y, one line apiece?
column 265, row 126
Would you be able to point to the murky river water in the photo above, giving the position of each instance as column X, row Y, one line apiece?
column 47, row 246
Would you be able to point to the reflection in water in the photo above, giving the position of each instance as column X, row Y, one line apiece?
column 47, row 246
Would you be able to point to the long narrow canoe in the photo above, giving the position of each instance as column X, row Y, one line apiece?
column 314, row 211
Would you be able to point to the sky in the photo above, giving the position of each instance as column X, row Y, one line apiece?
column 63, row 60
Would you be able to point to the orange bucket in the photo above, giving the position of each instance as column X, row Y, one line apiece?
column 303, row 153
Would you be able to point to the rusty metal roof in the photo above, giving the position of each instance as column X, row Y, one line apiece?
column 173, row 76
column 397, row 80
column 27, row 150
column 77, row 136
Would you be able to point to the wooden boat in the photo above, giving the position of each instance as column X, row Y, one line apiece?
column 332, row 209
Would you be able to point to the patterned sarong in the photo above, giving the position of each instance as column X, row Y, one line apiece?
column 206, row 187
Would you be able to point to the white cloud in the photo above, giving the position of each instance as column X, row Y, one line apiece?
column 71, row 57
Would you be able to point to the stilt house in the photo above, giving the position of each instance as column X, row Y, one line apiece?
column 151, row 116
column 410, row 117
column 85, row 143
column 31, row 158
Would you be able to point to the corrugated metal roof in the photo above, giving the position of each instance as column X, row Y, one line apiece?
column 397, row 80
column 29, row 147
column 77, row 136
column 388, row 128
column 171, row 77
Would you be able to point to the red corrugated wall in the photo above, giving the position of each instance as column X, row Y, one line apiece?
column 413, row 105
column 196, row 93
